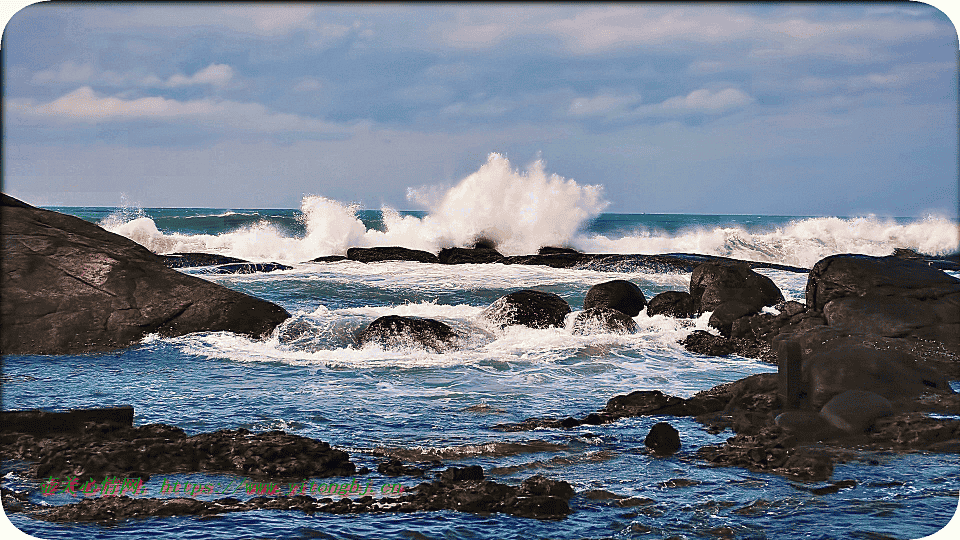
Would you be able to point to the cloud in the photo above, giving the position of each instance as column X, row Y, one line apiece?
column 84, row 105
column 704, row 100
column 603, row 104
column 214, row 74
column 73, row 73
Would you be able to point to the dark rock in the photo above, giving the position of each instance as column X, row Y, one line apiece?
column 551, row 250
column 677, row 304
column 703, row 342
column 804, row 425
column 727, row 313
column 477, row 255
column 188, row 260
column 531, row 308
column 249, row 268
column 598, row 320
column 71, row 287
column 330, row 258
column 110, row 449
column 618, row 294
column 393, row 331
column 663, row 439
column 553, row 260
column 377, row 254
column 897, row 369
column 39, row 422
column 854, row 411
column 713, row 284
column 395, row 467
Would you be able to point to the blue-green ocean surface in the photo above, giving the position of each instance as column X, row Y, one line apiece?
column 309, row 377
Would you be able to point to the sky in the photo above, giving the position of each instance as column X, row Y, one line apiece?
column 769, row 108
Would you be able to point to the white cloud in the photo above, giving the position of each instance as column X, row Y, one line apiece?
column 72, row 73
column 84, row 105
column 706, row 101
column 604, row 103
column 214, row 74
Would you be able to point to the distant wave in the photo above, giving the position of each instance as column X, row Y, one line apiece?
column 523, row 211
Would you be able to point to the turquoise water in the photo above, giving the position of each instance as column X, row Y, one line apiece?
column 310, row 379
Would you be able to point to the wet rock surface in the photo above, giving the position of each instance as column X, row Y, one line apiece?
column 618, row 294
column 71, row 287
column 394, row 253
column 475, row 255
column 395, row 331
column 99, row 450
column 535, row 309
column 596, row 320
column 461, row 489
column 677, row 304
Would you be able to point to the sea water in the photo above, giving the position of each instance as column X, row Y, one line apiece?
column 310, row 378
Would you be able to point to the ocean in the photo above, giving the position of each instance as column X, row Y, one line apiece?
column 309, row 377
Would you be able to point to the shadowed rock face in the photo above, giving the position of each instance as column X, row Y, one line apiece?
column 713, row 284
column 886, row 296
column 71, row 287
column 393, row 253
column 677, row 304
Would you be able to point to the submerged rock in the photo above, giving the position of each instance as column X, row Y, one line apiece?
column 535, row 309
column 393, row 331
column 618, row 294
column 71, row 287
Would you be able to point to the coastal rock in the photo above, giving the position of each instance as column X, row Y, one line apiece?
column 678, row 304
column 618, row 294
column 71, row 287
column 855, row 410
column 535, row 309
column 600, row 319
column 394, row 331
column 553, row 250
column 330, row 258
column 663, row 439
column 189, row 260
column 249, row 268
column 476, row 255
column 462, row 490
column 713, row 284
column 395, row 253
column 887, row 296
column 106, row 449
column 727, row 313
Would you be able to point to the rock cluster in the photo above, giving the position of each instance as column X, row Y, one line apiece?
column 460, row 489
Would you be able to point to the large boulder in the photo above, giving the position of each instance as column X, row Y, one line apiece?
column 535, row 309
column 71, row 287
column 834, row 362
column 476, row 255
column 677, row 304
column 886, row 296
column 395, row 331
column 392, row 253
column 618, row 294
column 712, row 284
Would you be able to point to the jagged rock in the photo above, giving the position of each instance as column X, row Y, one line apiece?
column 249, row 268
column 598, row 320
column 535, row 309
column 71, row 287
column 618, row 294
column 394, row 331
column 188, row 260
column 677, row 304
column 377, row 254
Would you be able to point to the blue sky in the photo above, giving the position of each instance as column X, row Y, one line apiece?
column 777, row 108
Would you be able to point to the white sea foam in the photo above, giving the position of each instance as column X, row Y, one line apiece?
column 522, row 211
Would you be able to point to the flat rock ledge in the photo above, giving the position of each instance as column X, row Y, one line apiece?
column 460, row 489
column 101, row 449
